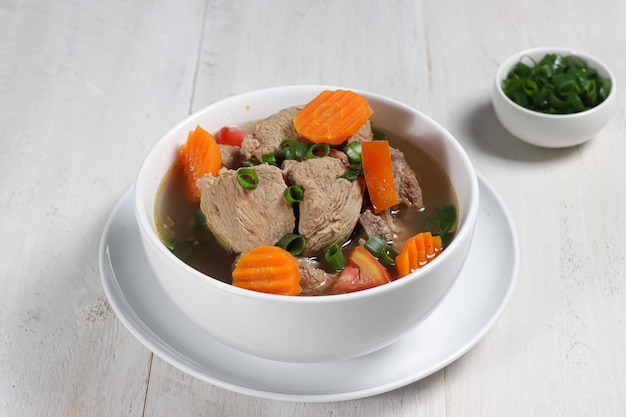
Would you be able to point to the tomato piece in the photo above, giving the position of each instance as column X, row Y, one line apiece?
column 362, row 271
column 230, row 136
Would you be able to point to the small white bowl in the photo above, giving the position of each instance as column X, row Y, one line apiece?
column 316, row 328
column 552, row 130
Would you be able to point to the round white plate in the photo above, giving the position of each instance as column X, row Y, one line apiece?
column 469, row 310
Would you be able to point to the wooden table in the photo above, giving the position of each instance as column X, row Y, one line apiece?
column 86, row 88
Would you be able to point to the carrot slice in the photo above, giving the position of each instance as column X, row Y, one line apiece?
column 268, row 269
column 403, row 265
column 332, row 116
column 199, row 156
column 417, row 251
column 378, row 173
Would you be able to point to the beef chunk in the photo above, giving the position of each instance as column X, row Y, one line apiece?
column 314, row 280
column 269, row 133
column 243, row 219
column 331, row 205
column 231, row 156
column 363, row 134
column 407, row 186
column 383, row 225
column 375, row 225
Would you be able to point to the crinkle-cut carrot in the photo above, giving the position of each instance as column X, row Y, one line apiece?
column 332, row 116
column 417, row 251
column 199, row 156
column 268, row 269
column 378, row 174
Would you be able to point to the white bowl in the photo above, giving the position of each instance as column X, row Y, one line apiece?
column 552, row 130
column 317, row 328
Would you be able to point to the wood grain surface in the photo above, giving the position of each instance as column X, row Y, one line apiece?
column 87, row 87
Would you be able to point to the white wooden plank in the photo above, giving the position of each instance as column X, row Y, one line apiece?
column 85, row 89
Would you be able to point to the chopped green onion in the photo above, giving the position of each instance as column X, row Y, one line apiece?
column 292, row 243
column 292, row 149
column 444, row 223
column 353, row 152
column 335, row 257
column 183, row 250
column 352, row 173
column 378, row 134
column 270, row 159
column 294, row 194
column 556, row 85
column 287, row 143
column 199, row 229
column 288, row 148
column 318, row 150
column 247, row 178
column 384, row 252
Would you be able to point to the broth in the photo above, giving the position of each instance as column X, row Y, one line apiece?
column 175, row 213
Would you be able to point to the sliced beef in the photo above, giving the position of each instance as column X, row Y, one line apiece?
column 231, row 156
column 269, row 133
column 315, row 281
column 363, row 134
column 382, row 225
column 331, row 205
column 243, row 219
column 407, row 186
column 375, row 225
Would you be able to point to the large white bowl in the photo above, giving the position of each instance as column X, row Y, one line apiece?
column 318, row 328
column 552, row 130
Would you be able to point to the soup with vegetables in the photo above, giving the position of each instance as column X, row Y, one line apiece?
column 313, row 200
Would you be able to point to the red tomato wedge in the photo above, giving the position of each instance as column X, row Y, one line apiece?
column 363, row 271
column 230, row 136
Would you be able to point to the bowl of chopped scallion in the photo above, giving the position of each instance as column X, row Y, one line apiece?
column 554, row 97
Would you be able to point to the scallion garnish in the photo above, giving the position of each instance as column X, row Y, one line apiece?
column 335, row 258
column 269, row 158
column 292, row 243
column 444, row 224
column 183, row 250
column 555, row 85
column 383, row 251
column 292, row 149
column 199, row 229
column 294, row 194
column 352, row 173
column 353, row 152
column 247, row 178
column 377, row 134
column 318, row 150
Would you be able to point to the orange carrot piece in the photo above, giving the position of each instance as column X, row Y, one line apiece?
column 417, row 251
column 378, row 173
column 332, row 116
column 420, row 246
column 402, row 264
column 411, row 249
column 438, row 245
column 268, row 269
column 199, row 156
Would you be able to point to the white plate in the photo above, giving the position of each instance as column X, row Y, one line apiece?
column 469, row 310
